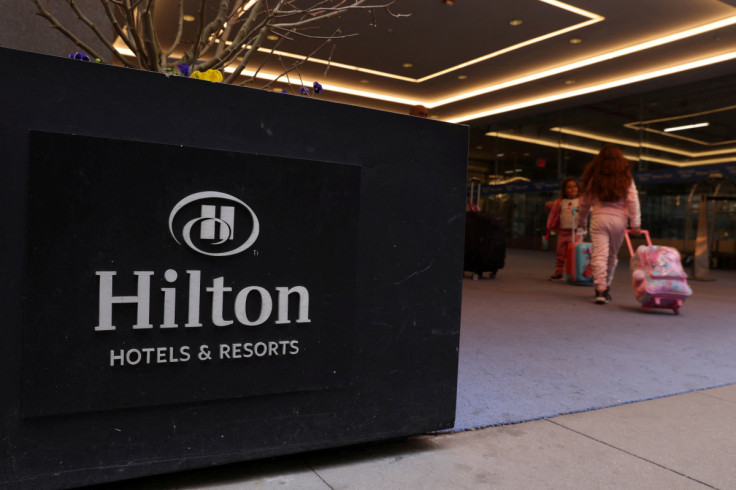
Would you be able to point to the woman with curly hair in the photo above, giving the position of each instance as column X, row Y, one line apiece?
column 610, row 198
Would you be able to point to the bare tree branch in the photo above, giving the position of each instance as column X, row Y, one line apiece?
column 207, row 31
column 231, row 21
column 120, row 32
column 153, row 48
column 241, row 37
column 179, row 30
column 227, row 33
column 96, row 30
column 131, row 21
column 57, row 25
column 247, row 56
column 295, row 66
column 263, row 63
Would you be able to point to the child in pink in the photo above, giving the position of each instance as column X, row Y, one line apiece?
column 611, row 200
column 560, row 220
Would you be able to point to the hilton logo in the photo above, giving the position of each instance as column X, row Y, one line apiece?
column 215, row 221
column 188, row 294
column 214, row 216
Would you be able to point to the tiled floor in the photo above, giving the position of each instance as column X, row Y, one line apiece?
column 685, row 441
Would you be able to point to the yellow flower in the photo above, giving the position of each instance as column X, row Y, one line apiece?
column 211, row 75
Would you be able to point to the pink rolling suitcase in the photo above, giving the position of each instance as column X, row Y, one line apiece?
column 657, row 276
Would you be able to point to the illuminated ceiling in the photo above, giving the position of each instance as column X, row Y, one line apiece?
column 477, row 62
column 467, row 60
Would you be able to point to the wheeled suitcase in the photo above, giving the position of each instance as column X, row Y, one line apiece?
column 578, row 268
column 657, row 276
column 485, row 243
column 485, row 238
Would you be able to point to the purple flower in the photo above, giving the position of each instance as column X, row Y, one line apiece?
column 304, row 90
column 317, row 88
column 184, row 69
column 283, row 91
column 79, row 56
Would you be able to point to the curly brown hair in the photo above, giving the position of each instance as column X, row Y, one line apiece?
column 608, row 175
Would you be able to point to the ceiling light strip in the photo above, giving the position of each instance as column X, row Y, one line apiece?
column 683, row 138
column 589, row 61
column 509, row 49
column 331, row 88
column 548, row 143
column 571, row 8
column 336, row 64
column 682, row 116
column 592, row 151
column 685, row 127
column 592, row 19
column 603, row 138
column 596, row 88
column 319, row 61
column 643, row 144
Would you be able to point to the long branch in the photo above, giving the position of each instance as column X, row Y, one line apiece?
column 179, row 30
column 132, row 25
column 327, row 12
column 232, row 19
column 121, row 33
column 208, row 30
column 241, row 37
column 57, row 25
column 263, row 62
column 295, row 65
column 192, row 55
column 100, row 35
column 286, row 32
column 248, row 55
column 149, row 35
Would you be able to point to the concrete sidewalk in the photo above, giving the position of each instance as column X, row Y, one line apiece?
column 681, row 442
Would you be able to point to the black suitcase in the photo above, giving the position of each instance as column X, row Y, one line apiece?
column 485, row 243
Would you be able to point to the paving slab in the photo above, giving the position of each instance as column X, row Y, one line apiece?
column 727, row 392
column 693, row 434
column 533, row 455
column 268, row 474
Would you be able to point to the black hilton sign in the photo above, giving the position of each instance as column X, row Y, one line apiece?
column 176, row 281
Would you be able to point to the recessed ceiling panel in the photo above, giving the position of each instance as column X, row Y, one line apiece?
column 429, row 38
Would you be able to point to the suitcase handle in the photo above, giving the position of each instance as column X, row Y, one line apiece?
column 476, row 188
column 628, row 240
column 573, row 211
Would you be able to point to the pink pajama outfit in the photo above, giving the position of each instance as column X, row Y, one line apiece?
column 608, row 221
column 560, row 219
column 564, row 239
